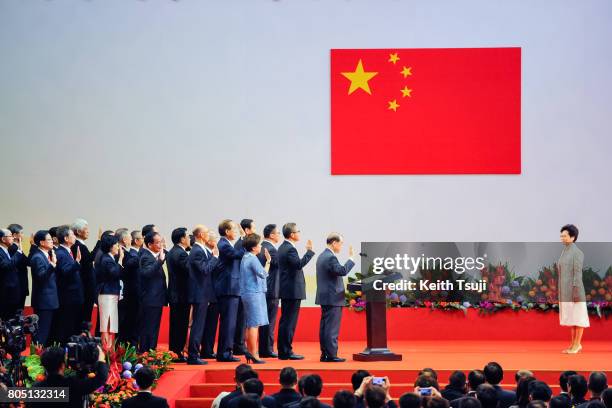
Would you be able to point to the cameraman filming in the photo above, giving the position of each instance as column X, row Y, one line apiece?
column 79, row 385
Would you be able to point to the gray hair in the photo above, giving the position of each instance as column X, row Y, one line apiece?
column 334, row 237
column 213, row 236
column 79, row 224
column 5, row 233
column 121, row 233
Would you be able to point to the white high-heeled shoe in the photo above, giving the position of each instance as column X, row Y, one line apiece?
column 576, row 351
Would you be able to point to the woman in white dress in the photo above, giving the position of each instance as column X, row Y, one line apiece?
column 572, row 302
column 108, row 275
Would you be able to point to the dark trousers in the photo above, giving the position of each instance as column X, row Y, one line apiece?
column 128, row 320
column 266, row 333
column 179, row 324
column 290, row 310
column 88, row 307
column 67, row 322
column 45, row 322
column 210, row 330
column 228, row 311
column 197, row 328
column 8, row 311
column 239, row 345
column 329, row 329
column 150, row 318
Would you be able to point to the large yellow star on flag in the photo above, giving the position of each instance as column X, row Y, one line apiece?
column 359, row 78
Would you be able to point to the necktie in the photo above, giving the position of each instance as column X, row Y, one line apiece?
column 71, row 255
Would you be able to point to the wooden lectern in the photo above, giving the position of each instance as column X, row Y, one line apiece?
column 376, row 318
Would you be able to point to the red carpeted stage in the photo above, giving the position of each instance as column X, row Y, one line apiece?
column 445, row 341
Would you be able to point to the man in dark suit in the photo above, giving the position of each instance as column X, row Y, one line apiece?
column 330, row 295
column 145, row 398
column 178, row 282
column 287, row 394
column 266, row 333
column 227, row 289
column 128, row 306
column 201, row 264
column 44, row 285
column 212, row 312
column 88, row 278
column 10, row 286
column 69, row 287
column 153, row 290
column 248, row 227
column 494, row 374
column 292, row 288
column 22, row 265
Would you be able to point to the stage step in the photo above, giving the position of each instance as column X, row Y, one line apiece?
column 207, row 402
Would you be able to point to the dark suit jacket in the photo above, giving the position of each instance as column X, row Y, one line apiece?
column 272, row 281
column 10, row 287
column 451, row 393
column 201, row 267
column 228, row 278
column 88, row 278
column 145, row 400
column 153, row 288
column 178, row 275
column 292, row 282
column 286, row 396
column 68, row 274
column 44, row 286
column 129, row 274
column 330, row 286
column 79, row 386
column 108, row 275
column 22, row 267
column 266, row 402
column 505, row 397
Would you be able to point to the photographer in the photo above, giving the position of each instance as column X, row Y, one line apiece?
column 80, row 385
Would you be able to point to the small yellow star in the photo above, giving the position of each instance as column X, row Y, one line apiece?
column 359, row 79
column 393, row 105
column 406, row 71
column 393, row 58
column 406, row 92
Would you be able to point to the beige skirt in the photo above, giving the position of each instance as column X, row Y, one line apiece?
column 109, row 315
column 573, row 314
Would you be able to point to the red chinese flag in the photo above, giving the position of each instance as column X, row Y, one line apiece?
column 426, row 111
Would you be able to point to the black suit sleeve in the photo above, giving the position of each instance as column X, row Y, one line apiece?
column 85, row 385
column 199, row 263
column 40, row 269
column 293, row 259
column 149, row 266
column 335, row 268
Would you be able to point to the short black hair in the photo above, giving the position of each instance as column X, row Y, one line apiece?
column 493, row 373
column 375, row 396
column 410, row 400
column 224, row 226
column 436, row 402
column 597, row 382
column 40, row 236
column 147, row 229
column 250, row 241
column 572, row 231
column 563, row 378
column 178, row 234
column 107, row 242
column 52, row 359
column 344, row 399
column 268, row 229
column 425, row 380
column 606, row 398
column 312, row 385
column 287, row 377
column 559, row 401
column 487, row 395
column 309, row 402
column 475, row 378
column 239, row 369
column 62, row 233
column 150, row 238
column 246, row 223
column 469, row 402
column 253, row 386
column 539, row 390
column 15, row 228
column 53, row 232
column 577, row 385
column 429, row 371
column 288, row 229
column 246, row 374
column 457, row 379
column 144, row 377
column 357, row 378
column 249, row 401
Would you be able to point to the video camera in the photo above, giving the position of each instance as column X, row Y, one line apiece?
column 82, row 350
column 13, row 333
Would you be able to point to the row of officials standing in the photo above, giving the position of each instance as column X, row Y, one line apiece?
column 211, row 283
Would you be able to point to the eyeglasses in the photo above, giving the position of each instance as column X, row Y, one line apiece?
column 295, row 232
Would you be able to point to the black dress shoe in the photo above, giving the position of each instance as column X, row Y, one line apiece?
column 196, row 361
column 227, row 359
column 268, row 355
column 180, row 359
column 208, row 356
column 329, row 359
column 291, row 357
